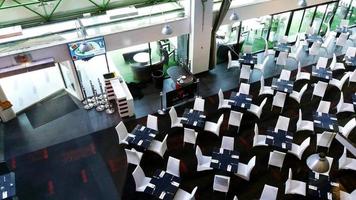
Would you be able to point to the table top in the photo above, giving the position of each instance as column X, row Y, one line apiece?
column 282, row 85
column 7, row 183
column 142, row 57
column 240, row 100
column 323, row 73
column 284, row 47
column 163, row 185
column 193, row 118
column 314, row 38
column 177, row 73
column 141, row 136
column 325, row 121
column 350, row 61
column 281, row 139
column 341, row 30
column 225, row 160
column 248, row 59
column 319, row 186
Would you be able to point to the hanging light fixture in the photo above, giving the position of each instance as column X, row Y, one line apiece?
column 234, row 16
column 167, row 29
column 302, row 3
column 318, row 163
column 84, row 46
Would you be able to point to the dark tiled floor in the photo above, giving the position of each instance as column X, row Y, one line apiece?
column 96, row 173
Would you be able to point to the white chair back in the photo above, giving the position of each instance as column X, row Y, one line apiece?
column 199, row 104
column 251, row 163
column 342, row 39
column 352, row 77
column 350, row 52
column 229, row 60
column 314, row 49
column 190, row 136
column 282, row 123
column 324, row 107
column 247, row 48
column 283, row 39
column 139, row 177
column 310, row 30
column 285, row 75
column 173, row 115
column 322, row 62
column 279, row 99
column 333, row 62
column 266, row 47
column 282, row 58
column 349, row 126
column 244, row 88
column 173, row 166
column 227, row 143
column 245, row 72
column 320, row 88
column 121, row 132
column 269, row 193
column 220, row 120
column 199, row 154
column 344, row 23
column 133, row 156
column 221, row 183
column 152, row 122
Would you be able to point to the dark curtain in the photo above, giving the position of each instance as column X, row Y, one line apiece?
column 225, row 5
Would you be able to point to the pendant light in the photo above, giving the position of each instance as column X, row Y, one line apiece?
column 167, row 29
column 318, row 162
column 302, row 3
column 84, row 45
column 234, row 16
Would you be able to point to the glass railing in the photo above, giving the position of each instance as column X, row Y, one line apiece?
column 64, row 32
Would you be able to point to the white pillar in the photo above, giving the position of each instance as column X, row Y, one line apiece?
column 199, row 41
column 7, row 114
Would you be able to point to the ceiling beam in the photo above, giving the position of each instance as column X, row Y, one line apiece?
column 19, row 4
column 28, row 8
column 54, row 9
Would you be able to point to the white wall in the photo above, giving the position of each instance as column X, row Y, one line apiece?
column 144, row 35
column 60, row 53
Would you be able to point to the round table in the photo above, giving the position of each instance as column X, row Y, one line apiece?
column 142, row 57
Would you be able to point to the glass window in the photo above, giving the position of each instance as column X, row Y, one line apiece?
column 164, row 54
column 328, row 14
column 24, row 90
column 353, row 16
column 278, row 26
column 319, row 14
column 254, row 32
column 294, row 27
column 340, row 14
column 308, row 17
column 91, row 71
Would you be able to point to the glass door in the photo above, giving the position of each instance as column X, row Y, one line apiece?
column 91, row 71
column 279, row 26
column 294, row 27
column 307, row 20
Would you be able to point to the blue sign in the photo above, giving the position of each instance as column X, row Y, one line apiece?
column 86, row 49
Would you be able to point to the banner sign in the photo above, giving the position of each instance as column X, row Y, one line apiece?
column 84, row 50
